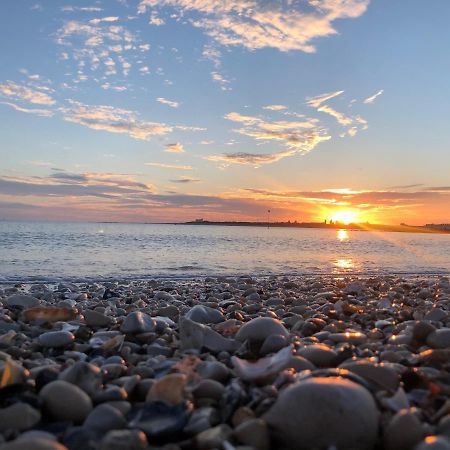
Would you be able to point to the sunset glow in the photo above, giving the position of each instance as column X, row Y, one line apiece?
column 345, row 217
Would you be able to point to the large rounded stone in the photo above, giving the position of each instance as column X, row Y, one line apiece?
column 322, row 413
column 204, row 314
column 439, row 338
column 56, row 339
column 257, row 330
column 22, row 301
column 65, row 401
column 137, row 322
column 84, row 375
column 35, row 444
column 19, row 416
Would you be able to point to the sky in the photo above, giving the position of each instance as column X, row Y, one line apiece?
column 173, row 110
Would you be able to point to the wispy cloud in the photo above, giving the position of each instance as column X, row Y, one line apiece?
column 39, row 112
column 170, row 103
column 169, row 166
column 114, row 120
column 254, row 159
column 275, row 107
column 20, row 92
column 104, row 19
column 176, row 147
column 185, row 180
column 373, row 97
column 254, row 24
column 317, row 101
column 340, row 117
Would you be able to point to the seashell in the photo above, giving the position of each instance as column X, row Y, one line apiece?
column 49, row 314
column 263, row 367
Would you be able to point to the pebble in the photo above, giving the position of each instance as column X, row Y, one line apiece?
column 56, row 339
column 104, row 418
column 439, row 338
column 96, row 319
column 65, row 401
column 204, row 314
column 19, row 416
column 137, row 322
column 21, row 300
column 260, row 328
column 124, row 439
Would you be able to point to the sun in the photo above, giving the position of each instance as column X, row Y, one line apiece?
column 345, row 217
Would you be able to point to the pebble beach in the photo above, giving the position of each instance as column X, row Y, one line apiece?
column 245, row 363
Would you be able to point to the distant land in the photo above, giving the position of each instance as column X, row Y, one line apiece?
column 402, row 228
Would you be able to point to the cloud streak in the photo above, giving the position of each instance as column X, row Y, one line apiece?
column 373, row 97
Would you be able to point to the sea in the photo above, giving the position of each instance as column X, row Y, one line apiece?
column 51, row 252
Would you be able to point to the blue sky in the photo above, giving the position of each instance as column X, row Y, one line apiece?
column 176, row 109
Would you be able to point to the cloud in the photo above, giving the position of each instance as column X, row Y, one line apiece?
column 254, row 159
column 169, row 166
column 317, row 101
column 340, row 117
column 372, row 98
column 176, row 147
column 170, row 103
column 155, row 20
column 114, row 120
column 40, row 163
column 275, row 107
column 104, row 19
column 219, row 78
column 81, row 8
column 20, row 92
column 253, row 24
column 185, row 180
column 39, row 112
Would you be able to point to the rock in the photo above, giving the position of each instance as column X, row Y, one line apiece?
column 209, row 389
column 324, row 412
column 137, row 322
column 49, row 314
column 254, row 433
column 257, row 330
column 197, row 336
column 403, row 431
column 84, row 375
column 439, row 338
column 435, row 315
column 272, row 344
column 169, row 389
column 33, row 444
column 202, row 419
column 214, row 370
column 263, row 368
column 36, row 434
column 204, row 314
column 319, row 354
column 353, row 337
column 65, row 401
column 124, row 439
column 56, row 339
column 19, row 416
column 22, row 301
column 213, row 438
column 104, row 418
column 96, row 319
column 422, row 329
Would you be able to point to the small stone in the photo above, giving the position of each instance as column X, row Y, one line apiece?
column 433, row 443
column 435, row 315
column 202, row 419
column 84, row 375
column 33, row 444
column 96, row 319
column 56, row 339
column 214, row 370
column 19, row 416
column 204, row 314
column 354, row 337
column 22, row 300
column 124, row 439
column 213, row 438
column 104, row 418
column 439, row 338
column 422, row 329
column 257, row 330
column 403, row 431
column 137, row 322
column 254, row 433
column 65, row 401
column 272, row 344
column 319, row 354
column 324, row 412
column 169, row 389
column 208, row 389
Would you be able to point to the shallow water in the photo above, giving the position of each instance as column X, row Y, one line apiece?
column 50, row 251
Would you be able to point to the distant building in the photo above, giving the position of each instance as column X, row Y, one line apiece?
column 438, row 226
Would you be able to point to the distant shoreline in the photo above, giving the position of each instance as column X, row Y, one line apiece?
column 326, row 226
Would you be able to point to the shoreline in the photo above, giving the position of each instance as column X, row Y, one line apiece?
column 226, row 362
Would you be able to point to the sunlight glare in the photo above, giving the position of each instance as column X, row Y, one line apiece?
column 345, row 217
column 342, row 235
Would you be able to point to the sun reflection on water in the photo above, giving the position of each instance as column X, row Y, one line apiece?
column 342, row 235
column 344, row 264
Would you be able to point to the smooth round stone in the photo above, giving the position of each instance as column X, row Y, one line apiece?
column 33, row 444
column 96, row 319
column 254, row 433
column 422, row 329
column 22, row 300
column 260, row 328
column 137, row 322
column 323, row 413
column 272, row 344
column 403, row 431
column 37, row 434
column 65, row 401
column 380, row 376
column 439, row 338
column 352, row 337
column 84, row 375
column 124, row 439
column 105, row 418
column 436, row 314
column 204, row 314
column 213, row 370
column 319, row 354
column 209, row 389
column 19, row 416
column 56, row 339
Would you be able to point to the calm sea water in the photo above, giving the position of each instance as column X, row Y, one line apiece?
column 78, row 251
